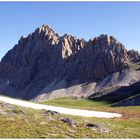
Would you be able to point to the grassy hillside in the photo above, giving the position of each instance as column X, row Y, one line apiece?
column 130, row 119
column 73, row 102
column 90, row 104
column 28, row 123
column 19, row 122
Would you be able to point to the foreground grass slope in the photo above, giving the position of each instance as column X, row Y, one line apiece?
column 28, row 123
column 19, row 122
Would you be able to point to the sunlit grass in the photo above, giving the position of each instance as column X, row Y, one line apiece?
column 33, row 124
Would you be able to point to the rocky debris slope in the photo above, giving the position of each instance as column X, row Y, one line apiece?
column 49, row 65
column 120, row 96
column 96, row 88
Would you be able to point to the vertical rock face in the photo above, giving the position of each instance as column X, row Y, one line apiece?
column 70, row 45
column 43, row 57
column 30, row 55
column 101, row 56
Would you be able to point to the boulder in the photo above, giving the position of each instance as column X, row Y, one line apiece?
column 99, row 127
column 49, row 112
column 69, row 121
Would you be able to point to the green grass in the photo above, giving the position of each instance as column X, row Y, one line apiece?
column 89, row 104
column 129, row 122
column 73, row 102
column 33, row 124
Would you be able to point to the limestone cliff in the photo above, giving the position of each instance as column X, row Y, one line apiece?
column 49, row 65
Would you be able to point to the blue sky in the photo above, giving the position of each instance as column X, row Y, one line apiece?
column 82, row 19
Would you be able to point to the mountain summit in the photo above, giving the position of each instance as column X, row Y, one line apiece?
column 45, row 65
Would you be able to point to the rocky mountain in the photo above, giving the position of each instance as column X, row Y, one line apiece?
column 45, row 65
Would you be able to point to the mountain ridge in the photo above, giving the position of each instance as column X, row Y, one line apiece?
column 44, row 59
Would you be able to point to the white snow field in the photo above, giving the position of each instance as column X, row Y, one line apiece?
column 69, row 111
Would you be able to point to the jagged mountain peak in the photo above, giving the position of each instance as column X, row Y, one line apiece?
column 109, row 40
column 42, row 35
column 44, row 28
column 69, row 36
column 43, row 57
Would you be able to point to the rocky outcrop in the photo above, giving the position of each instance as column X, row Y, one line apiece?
column 69, row 121
column 101, row 56
column 134, row 56
column 98, row 127
column 44, row 62
column 49, row 112
column 11, row 110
